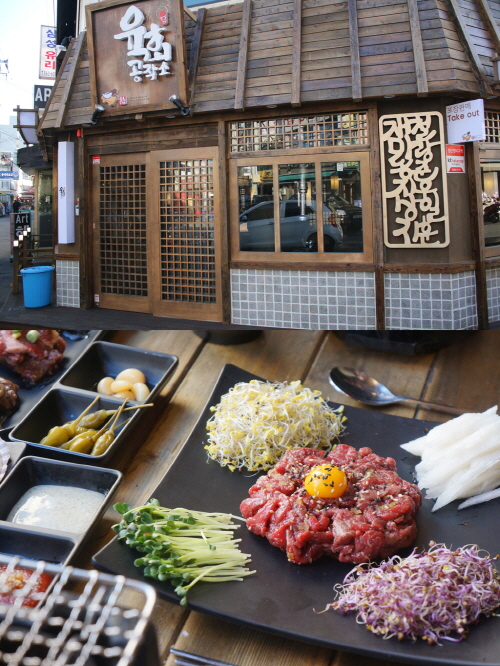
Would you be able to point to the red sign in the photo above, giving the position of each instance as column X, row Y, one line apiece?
column 163, row 17
column 96, row 159
column 455, row 158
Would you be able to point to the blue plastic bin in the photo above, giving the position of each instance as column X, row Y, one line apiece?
column 37, row 286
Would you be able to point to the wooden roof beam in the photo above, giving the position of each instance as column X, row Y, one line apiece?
column 418, row 49
column 194, row 56
column 470, row 49
column 76, row 55
column 297, row 52
column 241, row 75
column 354, row 44
column 190, row 13
column 490, row 21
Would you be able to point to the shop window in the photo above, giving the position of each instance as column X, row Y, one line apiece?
column 336, row 129
column 490, row 177
column 492, row 126
column 292, row 209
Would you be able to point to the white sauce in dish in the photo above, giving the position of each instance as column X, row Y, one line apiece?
column 63, row 508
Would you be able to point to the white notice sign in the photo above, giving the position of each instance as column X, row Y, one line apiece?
column 465, row 121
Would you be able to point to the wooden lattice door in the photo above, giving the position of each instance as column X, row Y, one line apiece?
column 189, row 232
column 121, row 232
column 158, row 234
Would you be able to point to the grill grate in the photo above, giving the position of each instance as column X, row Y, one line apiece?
column 88, row 628
column 122, row 230
column 187, row 244
column 337, row 129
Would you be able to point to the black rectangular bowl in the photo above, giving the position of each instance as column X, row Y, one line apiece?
column 59, row 406
column 35, row 546
column 31, row 471
column 106, row 359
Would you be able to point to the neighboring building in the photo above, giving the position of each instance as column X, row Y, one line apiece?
column 9, row 143
column 270, row 204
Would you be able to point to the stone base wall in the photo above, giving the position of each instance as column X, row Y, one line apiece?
column 68, row 283
column 317, row 300
column 430, row 301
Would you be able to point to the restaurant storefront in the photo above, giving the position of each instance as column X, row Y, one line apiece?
column 298, row 180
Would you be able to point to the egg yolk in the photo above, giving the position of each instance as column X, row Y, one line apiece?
column 326, row 481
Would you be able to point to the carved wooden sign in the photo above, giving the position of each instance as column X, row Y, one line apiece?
column 414, row 192
column 137, row 54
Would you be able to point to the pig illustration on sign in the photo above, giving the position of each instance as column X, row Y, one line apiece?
column 110, row 98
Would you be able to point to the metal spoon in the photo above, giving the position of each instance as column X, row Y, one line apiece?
column 359, row 386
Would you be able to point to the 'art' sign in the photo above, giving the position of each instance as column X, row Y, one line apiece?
column 465, row 121
column 48, row 52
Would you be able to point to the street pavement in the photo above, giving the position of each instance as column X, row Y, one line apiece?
column 5, row 264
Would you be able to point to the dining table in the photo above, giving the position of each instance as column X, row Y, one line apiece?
column 465, row 375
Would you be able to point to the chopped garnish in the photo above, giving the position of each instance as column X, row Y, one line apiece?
column 256, row 422
column 426, row 595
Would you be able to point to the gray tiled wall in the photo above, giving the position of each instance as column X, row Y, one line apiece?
column 303, row 299
column 68, row 283
column 493, row 291
column 430, row 301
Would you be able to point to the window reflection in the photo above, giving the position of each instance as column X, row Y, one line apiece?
column 256, row 208
column 297, row 191
column 341, row 192
column 491, row 203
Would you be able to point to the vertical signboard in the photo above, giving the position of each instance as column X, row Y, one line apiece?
column 48, row 52
column 138, row 55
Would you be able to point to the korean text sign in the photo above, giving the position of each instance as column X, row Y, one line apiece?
column 48, row 52
column 465, row 121
column 455, row 159
column 138, row 54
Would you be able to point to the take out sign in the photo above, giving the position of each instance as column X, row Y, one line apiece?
column 465, row 121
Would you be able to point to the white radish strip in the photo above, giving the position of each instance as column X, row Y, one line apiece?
column 446, row 434
column 478, row 499
column 483, row 442
column 467, row 483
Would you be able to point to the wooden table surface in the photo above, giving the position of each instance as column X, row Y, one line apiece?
column 465, row 375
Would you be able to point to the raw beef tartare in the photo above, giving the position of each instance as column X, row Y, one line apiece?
column 374, row 518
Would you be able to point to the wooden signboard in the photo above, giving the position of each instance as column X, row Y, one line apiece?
column 137, row 54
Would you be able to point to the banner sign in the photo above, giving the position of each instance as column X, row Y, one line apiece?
column 12, row 175
column 455, row 159
column 41, row 95
column 465, row 121
column 21, row 222
column 48, row 53
column 137, row 55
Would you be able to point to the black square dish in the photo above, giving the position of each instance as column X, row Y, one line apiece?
column 31, row 471
column 60, row 406
column 35, row 546
column 106, row 359
column 283, row 598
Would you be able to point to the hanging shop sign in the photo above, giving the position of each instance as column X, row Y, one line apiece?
column 11, row 175
column 41, row 95
column 21, row 222
column 48, row 52
column 465, row 121
column 455, row 159
column 414, row 191
column 138, row 55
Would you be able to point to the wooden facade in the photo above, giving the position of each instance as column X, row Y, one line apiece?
column 274, row 59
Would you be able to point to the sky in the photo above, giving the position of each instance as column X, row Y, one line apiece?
column 20, row 44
